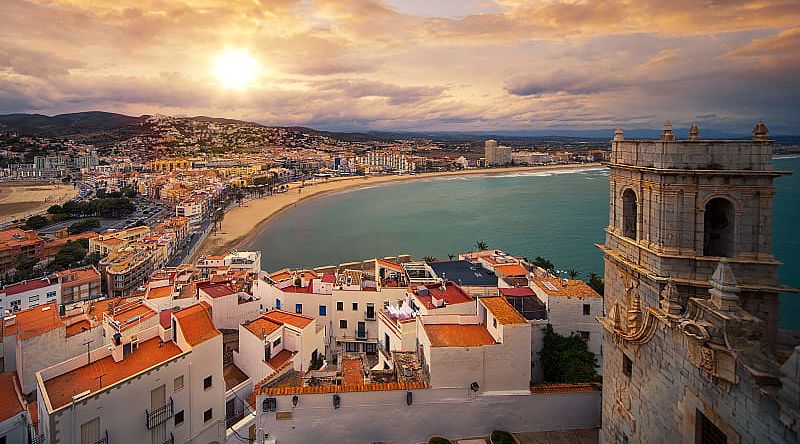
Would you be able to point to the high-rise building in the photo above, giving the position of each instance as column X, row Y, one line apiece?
column 490, row 146
column 691, row 351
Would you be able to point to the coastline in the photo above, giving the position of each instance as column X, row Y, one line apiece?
column 240, row 226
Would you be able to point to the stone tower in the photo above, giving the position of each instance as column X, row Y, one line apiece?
column 691, row 295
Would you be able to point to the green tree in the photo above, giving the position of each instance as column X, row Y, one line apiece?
column 543, row 263
column 84, row 225
column 71, row 254
column 36, row 222
column 596, row 282
column 24, row 265
column 567, row 359
column 573, row 273
column 55, row 209
column 481, row 245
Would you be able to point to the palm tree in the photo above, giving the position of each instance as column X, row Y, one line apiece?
column 481, row 245
column 219, row 215
column 451, row 256
column 429, row 259
column 573, row 273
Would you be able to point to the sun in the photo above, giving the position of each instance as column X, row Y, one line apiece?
column 235, row 69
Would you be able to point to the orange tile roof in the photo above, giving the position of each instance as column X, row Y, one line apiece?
column 280, row 275
column 511, row 270
column 159, row 292
column 503, row 311
column 218, row 290
column 78, row 327
column 351, row 369
column 62, row 388
column 278, row 361
column 34, row 321
column 79, row 274
column 10, row 404
column 258, row 325
column 133, row 314
column 376, row 386
column 573, row 287
column 455, row 335
column 388, row 264
column 294, row 319
column 196, row 324
column 31, row 284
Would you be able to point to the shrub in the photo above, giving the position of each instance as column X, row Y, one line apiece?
column 439, row 440
column 501, row 437
column 567, row 359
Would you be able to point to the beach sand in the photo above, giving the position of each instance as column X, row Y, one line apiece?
column 242, row 223
column 18, row 200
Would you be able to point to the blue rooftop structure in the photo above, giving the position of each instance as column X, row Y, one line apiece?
column 465, row 273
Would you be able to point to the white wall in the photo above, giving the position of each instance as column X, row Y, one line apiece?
column 40, row 296
column 384, row 416
column 565, row 313
column 14, row 429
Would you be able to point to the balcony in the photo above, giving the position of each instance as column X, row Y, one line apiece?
column 103, row 440
column 361, row 334
column 158, row 416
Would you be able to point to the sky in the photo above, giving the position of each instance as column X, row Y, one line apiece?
column 411, row 65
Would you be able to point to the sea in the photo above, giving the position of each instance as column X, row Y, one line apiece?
column 558, row 215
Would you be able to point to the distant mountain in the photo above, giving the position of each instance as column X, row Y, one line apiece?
column 91, row 126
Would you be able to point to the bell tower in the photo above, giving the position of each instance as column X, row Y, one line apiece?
column 691, row 290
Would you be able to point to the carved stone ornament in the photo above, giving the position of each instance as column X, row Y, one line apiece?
column 699, row 354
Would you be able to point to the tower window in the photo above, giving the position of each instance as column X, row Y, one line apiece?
column 629, row 214
column 627, row 365
column 707, row 432
column 718, row 228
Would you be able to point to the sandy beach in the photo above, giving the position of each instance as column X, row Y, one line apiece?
column 19, row 200
column 242, row 223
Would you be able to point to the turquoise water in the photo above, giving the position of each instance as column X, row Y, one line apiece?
column 557, row 215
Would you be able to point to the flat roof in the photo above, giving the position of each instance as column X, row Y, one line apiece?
column 456, row 335
column 10, row 404
column 504, row 312
column 285, row 317
column 565, row 287
column 465, row 273
column 62, row 388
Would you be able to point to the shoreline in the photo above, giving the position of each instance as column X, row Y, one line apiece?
column 239, row 227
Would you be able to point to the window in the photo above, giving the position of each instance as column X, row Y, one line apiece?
column 276, row 342
column 298, row 308
column 370, row 311
column 178, row 384
column 323, row 310
column 351, row 346
column 586, row 309
column 342, row 323
column 179, row 418
column 33, row 298
column 207, row 415
column 627, row 365
column 718, row 228
column 494, row 322
column 371, row 347
column 339, row 306
column 51, row 295
column 706, row 432
column 278, row 304
column 584, row 335
column 629, row 214
column 355, row 306
column 207, row 383
column 90, row 431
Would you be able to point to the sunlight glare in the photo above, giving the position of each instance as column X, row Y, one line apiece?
column 235, row 69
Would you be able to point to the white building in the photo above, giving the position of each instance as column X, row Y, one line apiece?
column 229, row 306
column 572, row 308
column 164, row 384
column 30, row 293
column 532, row 158
column 278, row 342
column 194, row 210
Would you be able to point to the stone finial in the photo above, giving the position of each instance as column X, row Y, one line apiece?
column 724, row 289
column 634, row 310
column 618, row 134
column 668, row 136
column 790, row 381
column 670, row 299
column 760, row 132
column 694, row 133
column 616, row 320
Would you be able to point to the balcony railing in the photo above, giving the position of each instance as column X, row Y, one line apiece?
column 158, row 416
column 103, row 440
column 361, row 334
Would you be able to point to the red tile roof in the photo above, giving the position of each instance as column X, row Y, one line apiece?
column 452, row 294
column 10, row 404
column 351, row 369
column 62, row 388
column 388, row 264
column 504, row 312
column 329, row 278
column 196, row 324
column 277, row 361
column 566, row 287
column 32, row 284
column 294, row 319
column 455, row 335
column 517, row 292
